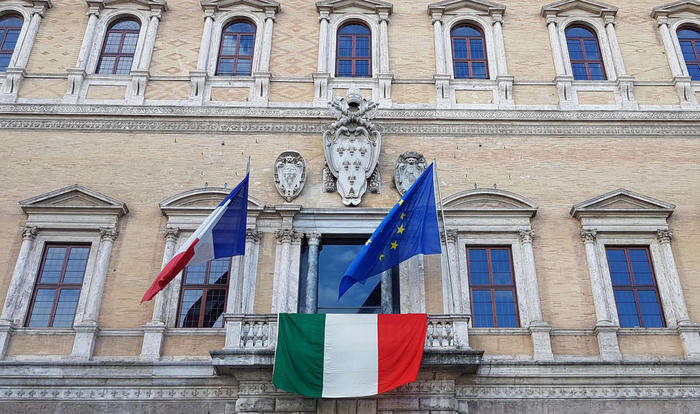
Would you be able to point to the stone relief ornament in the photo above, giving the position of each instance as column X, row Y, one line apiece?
column 409, row 167
column 290, row 174
column 352, row 145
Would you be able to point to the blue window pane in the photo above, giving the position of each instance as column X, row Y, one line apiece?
column 345, row 46
column 129, row 45
column 226, row 67
column 41, row 311
column 688, row 34
column 356, row 29
column 65, row 310
column 626, row 308
column 591, row 49
column 478, row 70
column 107, row 65
column 333, row 260
column 579, row 71
column 191, row 308
column 688, row 52
column 640, row 267
column 500, row 267
column 596, row 71
column 618, row 267
column 218, row 271
column 243, row 67
column 459, row 48
column 126, row 25
column 112, row 42
column 361, row 68
column 214, row 308
column 228, row 46
column 476, row 48
column 11, row 21
column 574, row 49
column 196, row 274
column 124, row 66
column 579, row 32
column 505, row 308
column 10, row 40
column 246, row 46
column 651, row 311
column 465, row 31
column 483, row 313
column 478, row 267
column 53, row 264
column 345, row 68
column 240, row 27
column 4, row 62
column 694, row 71
column 75, row 268
column 362, row 47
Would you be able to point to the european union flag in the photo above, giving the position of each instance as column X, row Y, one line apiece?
column 410, row 228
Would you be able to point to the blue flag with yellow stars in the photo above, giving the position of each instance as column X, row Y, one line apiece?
column 410, row 228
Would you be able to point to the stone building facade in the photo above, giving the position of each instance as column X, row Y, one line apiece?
column 566, row 135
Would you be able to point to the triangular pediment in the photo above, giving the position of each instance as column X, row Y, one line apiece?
column 677, row 8
column 622, row 201
column 141, row 4
column 46, row 4
column 490, row 200
column 257, row 5
column 369, row 5
column 201, row 200
column 74, row 198
column 466, row 6
column 578, row 8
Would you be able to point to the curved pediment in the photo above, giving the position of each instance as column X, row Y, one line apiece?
column 578, row 7
column 74, row 198
column 490, row 200
column 622, row 201
column 370, row 5
column 257, row 5
column 677, row 8
column 147, row 4
column 201, row 200
column 477, row 6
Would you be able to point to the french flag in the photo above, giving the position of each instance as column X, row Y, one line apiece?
column 222, row 234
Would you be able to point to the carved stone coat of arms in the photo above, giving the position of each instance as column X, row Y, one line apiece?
column 352, row 145
column 409, row 167
column 290, row 174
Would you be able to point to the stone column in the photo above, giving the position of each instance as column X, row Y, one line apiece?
column 198, row 77
column 687, row 329
column 453, row 297
column 383, row 42
column 539, row 329
column 439, row 44
column 625, row 83
column 605, row 329
column 154, row 331
column 322, row 76
column 563, row 79
column 387, row 290
column 250, row 270
column 86, row 328
column 18, row 62
column 293, row 287
column 283, row 296
column 77, row 75
column 505, row 81
column 267, row 41
column 12, row 299
column 313, row 240
column 147, row 52
column 681, row 79
column 412, row 285
column 557, row 51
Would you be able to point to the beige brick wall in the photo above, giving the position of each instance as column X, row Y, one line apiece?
column 106, row 92
column 291, row 92
column 40, row 345
column 596, row 98
column 502, row 344
column 413, row 93
column 110, row 346
column 474, row 97
column 192, row 345
column 229, row 94
column 656, row 95
column 656, row 345
column 574, row 345
column 433, row 284
column 176, row 49
column 295, row 40
column 165, row 90
column 411, row 40
column 43, row 88
column 59, row 37
column 266, row 274
column 535, row 95
column 526, row 40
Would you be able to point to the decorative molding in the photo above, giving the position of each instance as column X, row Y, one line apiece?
column 171, row 234
column 664, row 235
column 29, row 232
column 129, row 393
column 589, row 235
column 253, row 236
column 598, row 392
column 526, row 236
column 409, row 166
column 201, row 201
column 622, row 201
column 288, row 236
column 108, row 234
column 491, row 200
column 74, row 199
column 289, row 172
column 593, row 7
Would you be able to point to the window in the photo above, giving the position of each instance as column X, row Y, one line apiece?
column 634, row 287
column 469, row 53
column 236, row 49
column 119, row 46
column 492, row 287
column 57, row 289
column 203, row 296
column 689, row 38
column 584, row 53
column 354, row 52
column 10, row 26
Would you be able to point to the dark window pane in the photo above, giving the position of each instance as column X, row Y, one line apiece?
column 195, row 274
column 243, row 67
column 129, row 45
column 361, row 68
column 41, row 310
column 478, row 70
column 226, row 67
column 4, row 62
column 688, row 34
column 362, row 47
column 333, row 260
column 596, row 71
column 75, row 268
column 461, row 70
column 246, row 47
column 483, row 311
column 11, row 21
column 591, row 49
column 575, row 52
column 466, row 31
column 626, row 308
column 688, row 52
column 126, row 25
column 579, row 71
column 53, row 265
column 10, row 40
column 240, row 27
column 500, row 267
column 651, row 311
column 65, row 310
column 214, row 308
column 191, row 307
column 579, row 32
column 459, row 48
column 478, row 267
column 640, row 267
column 618, row 267
column 694, row 71
column 345, row 68
column 218, row 273
column 354, row 29
column 505, row 308
column 476, row 48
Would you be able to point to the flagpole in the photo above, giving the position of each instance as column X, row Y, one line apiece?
column 247, row 168
column 444, row 232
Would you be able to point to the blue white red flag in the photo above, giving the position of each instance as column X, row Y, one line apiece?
column 222, row 234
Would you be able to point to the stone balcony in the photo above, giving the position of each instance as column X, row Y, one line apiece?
column 251, row 340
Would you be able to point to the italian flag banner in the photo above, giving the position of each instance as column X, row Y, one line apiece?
column 339, row 356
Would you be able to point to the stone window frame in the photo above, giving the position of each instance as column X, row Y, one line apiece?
column 670, row 18
column 622, row 217
column 217, row 14
column 185, row 212
column 101, row 15
column 332, row 16
column 600, row 18
column 73, row 214
column 488, row 17
column 32, row 12
column 492, row 217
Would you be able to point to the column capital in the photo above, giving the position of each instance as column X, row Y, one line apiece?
column 664, row 235
column 108, row 233
column 662, row 20
column 451, row 236
column 288, row 236
column 313, row 239
column 497, row 18
column 609, row 19
column 170, row 234
column 209, row 14
column 39, row 9
column 526, row 236
column 383, row 17
column 552, row 19
column 29, row 232
column 436, row 16
column 324, row 15
column 94, row 11
column 156, row 13
column 589, row 235
column 253, row 236
column 270, row 14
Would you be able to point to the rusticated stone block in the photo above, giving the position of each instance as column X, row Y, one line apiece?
column 255, row 404
column 326, row 406
column 295, row 404
column 438, row 403
column 367, row 406
column 396, row 403
column 346, row 407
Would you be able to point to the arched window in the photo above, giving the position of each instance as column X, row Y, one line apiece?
column 469, row 53
column 10, row 26
column 119, row 47
column 689, row 38
column 354, row 51
column 584, row 53
column 236, row 49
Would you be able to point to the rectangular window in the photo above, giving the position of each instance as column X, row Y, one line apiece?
column 634, row 286
column 58, row 286
column 204, row 294
column 492, row 287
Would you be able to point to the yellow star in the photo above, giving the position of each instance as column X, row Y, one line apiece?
column 394, row 245
column 403, row 215
column 368, row 242
column 381, row 256
column 401, row 201
column 400, row 229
